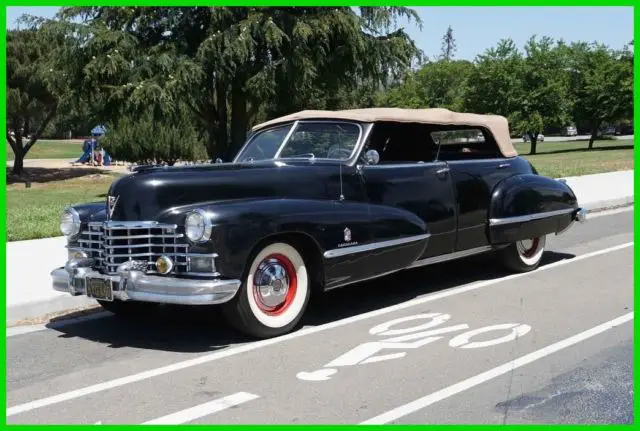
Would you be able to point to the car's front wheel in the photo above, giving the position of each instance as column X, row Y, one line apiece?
column 274, row 293
column 524, row 255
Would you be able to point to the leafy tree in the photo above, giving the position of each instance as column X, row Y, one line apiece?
column 494, row 82
column 148, row 140
column 31, row 105
column 231, row 66
column 601, row 84
column 532, row 91
column 448, row 45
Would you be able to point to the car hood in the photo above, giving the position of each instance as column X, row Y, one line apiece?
column 147, row 193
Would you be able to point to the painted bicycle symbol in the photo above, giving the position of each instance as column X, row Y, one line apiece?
column 413, row 337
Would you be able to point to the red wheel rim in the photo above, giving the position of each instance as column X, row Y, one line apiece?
column 530, row 251
column 275, row 283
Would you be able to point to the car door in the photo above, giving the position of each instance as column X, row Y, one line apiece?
column 423, row 189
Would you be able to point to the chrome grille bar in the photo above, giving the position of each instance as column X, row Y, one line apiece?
column 113, row 243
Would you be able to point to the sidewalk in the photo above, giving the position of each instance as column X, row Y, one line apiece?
column 29, row 293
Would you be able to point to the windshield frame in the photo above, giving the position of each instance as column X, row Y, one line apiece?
column 362, row 132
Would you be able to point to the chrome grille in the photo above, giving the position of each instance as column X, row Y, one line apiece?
column 113, row 243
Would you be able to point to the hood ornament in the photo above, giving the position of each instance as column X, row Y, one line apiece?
column 111, row 205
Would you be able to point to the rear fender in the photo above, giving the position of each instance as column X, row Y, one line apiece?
column 527, row 206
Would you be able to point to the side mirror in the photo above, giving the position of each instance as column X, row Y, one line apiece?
column 218, row 160
column 371, row 157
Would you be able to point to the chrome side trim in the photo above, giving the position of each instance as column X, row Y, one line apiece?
column 580, row 216
column 528, row 217
column 337, row 252
column 450, row 256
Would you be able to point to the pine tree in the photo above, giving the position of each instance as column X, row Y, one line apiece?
column 448, row 45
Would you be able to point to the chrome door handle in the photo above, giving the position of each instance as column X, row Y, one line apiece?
column 503, row 166
column 442, row 172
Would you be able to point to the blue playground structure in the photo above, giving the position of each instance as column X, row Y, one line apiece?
column 89, row 147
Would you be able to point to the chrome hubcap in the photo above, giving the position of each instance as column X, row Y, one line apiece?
column 528, row 247
column 271, row 283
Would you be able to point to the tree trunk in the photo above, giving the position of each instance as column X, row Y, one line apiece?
column 211, row 139
column 222, row 136
column 594, row 133
column 18, row 163
column 239, row 117
column 534, row 143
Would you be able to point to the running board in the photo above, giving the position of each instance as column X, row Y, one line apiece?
column 450, row 256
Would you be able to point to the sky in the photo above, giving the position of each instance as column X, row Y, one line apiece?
column 477, row 28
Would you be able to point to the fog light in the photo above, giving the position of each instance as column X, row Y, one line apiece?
column 77, row 255
column 202, row 264
column 164, row 265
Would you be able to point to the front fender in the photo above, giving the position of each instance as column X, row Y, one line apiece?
column 239, row 225
column 529, row 205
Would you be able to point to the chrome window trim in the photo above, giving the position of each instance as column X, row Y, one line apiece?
column 344, row 251
column 276, row 156
column 406, row 165
column 528, row 217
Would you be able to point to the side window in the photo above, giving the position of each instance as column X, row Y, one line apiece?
column 401, row 143
column 464, row 144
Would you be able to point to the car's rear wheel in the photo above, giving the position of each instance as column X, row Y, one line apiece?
column 274, row 293
column 524, row 255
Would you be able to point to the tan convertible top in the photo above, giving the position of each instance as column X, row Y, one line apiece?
column 496, row 124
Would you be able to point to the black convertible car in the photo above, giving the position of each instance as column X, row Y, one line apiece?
column 313, row 201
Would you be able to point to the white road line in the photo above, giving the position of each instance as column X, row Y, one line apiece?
column 454, row 389
column 193, row 413
column 99, row 387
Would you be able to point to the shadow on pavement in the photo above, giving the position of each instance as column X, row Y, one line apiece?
column 202, row 329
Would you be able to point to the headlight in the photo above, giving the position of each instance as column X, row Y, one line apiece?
column 197, row 226
column 70, row 223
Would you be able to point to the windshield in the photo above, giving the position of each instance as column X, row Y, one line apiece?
column 319, row 140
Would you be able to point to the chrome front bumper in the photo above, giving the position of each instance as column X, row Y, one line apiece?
column 131, row 284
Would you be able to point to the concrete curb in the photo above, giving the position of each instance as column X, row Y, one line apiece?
column 44, row 301
column 33, row 310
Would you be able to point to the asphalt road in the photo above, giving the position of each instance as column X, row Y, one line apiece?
column 460, row 342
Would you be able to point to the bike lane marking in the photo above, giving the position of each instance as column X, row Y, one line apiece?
column 500, row 370
column 133, row 378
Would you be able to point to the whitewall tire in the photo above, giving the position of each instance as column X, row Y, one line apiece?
column 274, row 293
column 524, row 255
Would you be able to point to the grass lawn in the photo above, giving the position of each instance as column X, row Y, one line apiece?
column 62, row 149
column 571, row 158
column 35, row 212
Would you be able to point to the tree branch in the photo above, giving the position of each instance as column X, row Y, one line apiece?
column 40, row 129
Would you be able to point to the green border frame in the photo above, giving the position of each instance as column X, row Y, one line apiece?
column 411, row 3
